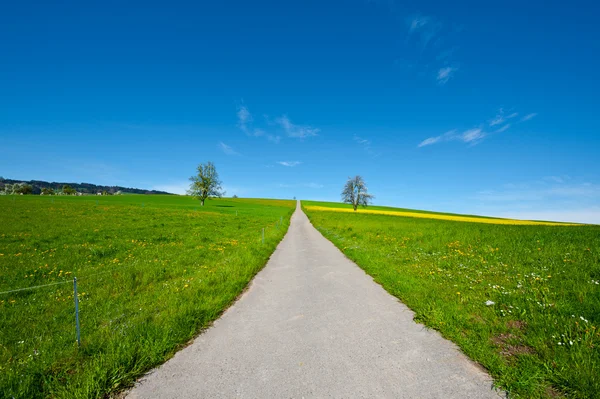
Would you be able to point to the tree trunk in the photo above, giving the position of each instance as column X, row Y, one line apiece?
column 202, row 202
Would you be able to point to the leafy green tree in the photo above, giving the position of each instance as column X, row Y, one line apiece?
column 47, row 191
column 205, row 184
column 24, row 189
column 356, row 193
column 8, row 189
column 68, row 190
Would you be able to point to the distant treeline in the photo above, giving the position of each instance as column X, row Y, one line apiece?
column 36, row 187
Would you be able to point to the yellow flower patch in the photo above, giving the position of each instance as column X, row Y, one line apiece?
column 455, row 218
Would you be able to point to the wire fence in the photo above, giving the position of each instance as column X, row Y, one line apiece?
column 88, row 277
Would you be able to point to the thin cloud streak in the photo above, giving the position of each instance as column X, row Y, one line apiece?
column 503, row 128
column 296, row 131
column 417, row 23
column 227, row 149
column 468, row 136
column 472, row 135
column 444, row 74
column 528, row 117
column 500, row 118
column 289, row 164
column 476, row 135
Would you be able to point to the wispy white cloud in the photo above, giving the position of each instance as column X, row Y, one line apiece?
column 497, row 120
column 296, row 131
column 435, row 54
column 425, row 28
column 449, row 135
column 227, row 149
column 472, row 136
column 417, row 22
column 501, row 117
column 476, row 135
column 289, row 164
column 362, row 141
column 503, row 128
column 528, row 117
column 444, row 74
column 245, row 122
column 430, row 141
column 244, row 118
column 366, row 144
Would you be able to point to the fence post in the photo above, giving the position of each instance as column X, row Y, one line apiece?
column 76, row 311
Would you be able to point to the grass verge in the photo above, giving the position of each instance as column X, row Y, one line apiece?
column 524, row 301
column 152, row 272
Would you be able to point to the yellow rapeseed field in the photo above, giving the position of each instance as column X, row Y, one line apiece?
column 440, row 216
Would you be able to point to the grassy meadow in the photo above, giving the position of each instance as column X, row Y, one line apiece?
column 152, row 272
column 522, row 300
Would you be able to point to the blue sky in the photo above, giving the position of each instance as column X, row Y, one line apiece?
column 466, row 107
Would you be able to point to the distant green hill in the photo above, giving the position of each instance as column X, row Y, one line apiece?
column 85, row 188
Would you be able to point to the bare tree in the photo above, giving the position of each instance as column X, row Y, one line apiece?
column 356, row 192
column 205, row 183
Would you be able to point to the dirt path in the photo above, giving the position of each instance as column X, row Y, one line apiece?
column 311, row 325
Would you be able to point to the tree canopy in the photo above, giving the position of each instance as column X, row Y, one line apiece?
column 68, row 190
column 356, row 193
column 205, row 183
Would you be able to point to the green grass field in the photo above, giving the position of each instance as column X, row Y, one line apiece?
column 523, row 301
column 152, row 272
